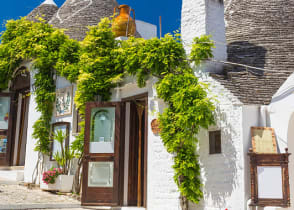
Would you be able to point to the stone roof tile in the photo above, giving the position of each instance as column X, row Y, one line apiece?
column 46, row 11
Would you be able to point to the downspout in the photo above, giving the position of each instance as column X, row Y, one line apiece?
column 264, row 119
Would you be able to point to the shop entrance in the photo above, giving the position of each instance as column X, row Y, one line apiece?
column 136, row 143
column 115, row 165
column 101, row 167
column 14, row 119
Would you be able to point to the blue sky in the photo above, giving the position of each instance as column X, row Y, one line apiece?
column 146, row 10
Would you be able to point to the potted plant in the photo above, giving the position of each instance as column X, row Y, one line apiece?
column 63, row 159
column 59, row 178
column 49, row 179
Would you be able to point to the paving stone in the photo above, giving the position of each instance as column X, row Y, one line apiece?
column 20, row 197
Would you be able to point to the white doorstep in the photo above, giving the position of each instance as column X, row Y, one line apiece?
column 11, row 174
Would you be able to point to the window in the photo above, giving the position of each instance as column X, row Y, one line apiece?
column 55, row 145
column 215, row 145
column 76, row 128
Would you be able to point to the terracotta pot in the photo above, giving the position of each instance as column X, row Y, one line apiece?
column 124, row 22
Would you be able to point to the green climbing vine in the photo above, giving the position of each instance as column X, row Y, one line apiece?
column 98, row 64
column 50, row 51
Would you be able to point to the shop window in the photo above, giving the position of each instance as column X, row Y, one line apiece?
column 215, row 146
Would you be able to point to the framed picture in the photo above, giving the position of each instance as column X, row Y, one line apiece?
column 55, row 145
column 269, row 179
column 63, row 102
column 263, row 140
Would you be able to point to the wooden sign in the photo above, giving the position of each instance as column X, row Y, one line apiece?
column 263, row 140
column 155, row 127
column 269, row 177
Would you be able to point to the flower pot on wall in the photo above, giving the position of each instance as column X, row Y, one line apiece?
column 64, row 183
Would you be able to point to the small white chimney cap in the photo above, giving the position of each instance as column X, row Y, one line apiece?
column 49, row 2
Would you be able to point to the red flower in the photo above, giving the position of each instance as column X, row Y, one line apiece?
column 50, row 176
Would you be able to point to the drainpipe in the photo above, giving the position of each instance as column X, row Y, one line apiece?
column 264, row 116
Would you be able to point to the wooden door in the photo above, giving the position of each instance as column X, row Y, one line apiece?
column 137, row 158
column 6, row 110
column 101, row 167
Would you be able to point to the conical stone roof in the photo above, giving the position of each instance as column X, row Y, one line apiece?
column 75, row 15
column 46, row 11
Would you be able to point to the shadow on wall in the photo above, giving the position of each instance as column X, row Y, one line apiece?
column 246, row 53
column 219, row 171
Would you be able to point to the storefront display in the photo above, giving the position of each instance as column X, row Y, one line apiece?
column 3, row 144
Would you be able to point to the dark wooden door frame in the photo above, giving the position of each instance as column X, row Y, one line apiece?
column 20, row 85
column 112, row 195
column 23, row 118
column 143, row 96
column 7, row 159
column 53, row 125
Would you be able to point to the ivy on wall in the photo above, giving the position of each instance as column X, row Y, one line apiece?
column 99, row 63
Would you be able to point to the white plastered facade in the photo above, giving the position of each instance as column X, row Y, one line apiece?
column 225, row 176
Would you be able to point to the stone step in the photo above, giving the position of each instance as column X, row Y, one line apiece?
column 11, row 168
column 64, row 206
column 15, row 173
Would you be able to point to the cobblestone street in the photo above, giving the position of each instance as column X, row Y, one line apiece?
column 14, row 196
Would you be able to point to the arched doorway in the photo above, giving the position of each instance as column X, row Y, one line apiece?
column 20, row 86
column 14, row 105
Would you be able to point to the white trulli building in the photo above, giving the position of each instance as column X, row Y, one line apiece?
column 258, row 34
column 251, row 32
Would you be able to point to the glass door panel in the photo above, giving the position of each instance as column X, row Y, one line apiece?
column 102, row 130
column 4, row 112
column 100, row 174
column 5, row 118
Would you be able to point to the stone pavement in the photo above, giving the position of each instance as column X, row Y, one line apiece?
column 17, row 197
column 13, row 196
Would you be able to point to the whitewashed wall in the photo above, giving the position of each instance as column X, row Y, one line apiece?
column 223, row 174
column 205, row 17
column 31, row 155
column 146, row 30
column 281, row 116
column 250, row 117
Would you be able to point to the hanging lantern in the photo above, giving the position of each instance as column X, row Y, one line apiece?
column 124, row 24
